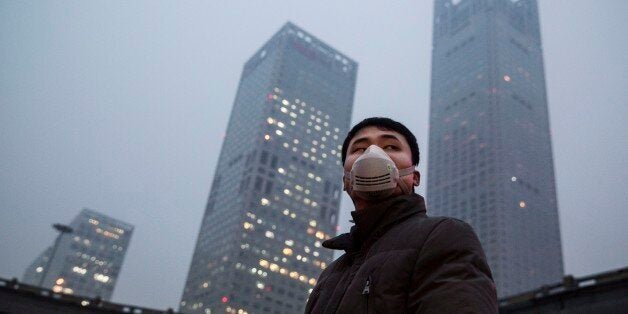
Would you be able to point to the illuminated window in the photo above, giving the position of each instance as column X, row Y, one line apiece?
column 289, row 242
column 506, row 78
column 270, row 234
column 522, row 204
column 513, row 179
column 101, row 277
column 267, row 137
column 320, row 235
column 287, row 251
column 279, row 132
column 79, row 270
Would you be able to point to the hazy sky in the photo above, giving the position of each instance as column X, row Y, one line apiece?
column 121, row 107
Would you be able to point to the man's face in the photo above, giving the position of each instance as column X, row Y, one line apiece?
column 395, row 146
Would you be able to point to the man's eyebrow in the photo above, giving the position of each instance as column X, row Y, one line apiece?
column 360, row 140
column 390, row 136
column 366, row 139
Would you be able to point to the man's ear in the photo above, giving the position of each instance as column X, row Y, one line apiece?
column 416, row 178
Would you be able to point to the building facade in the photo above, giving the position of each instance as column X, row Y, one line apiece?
column 490, row 154
column 87, row 261
column 276, row 191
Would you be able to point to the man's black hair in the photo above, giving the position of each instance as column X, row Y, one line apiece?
column 385, row 124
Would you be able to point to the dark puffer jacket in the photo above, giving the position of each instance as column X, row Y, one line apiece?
column 398, row 260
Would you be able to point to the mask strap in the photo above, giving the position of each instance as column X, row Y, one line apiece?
column 406, row 171
column 347, row 178
column 402, row 173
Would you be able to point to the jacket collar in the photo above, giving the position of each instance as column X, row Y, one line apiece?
column 371, row 221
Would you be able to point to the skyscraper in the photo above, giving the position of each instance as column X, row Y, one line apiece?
column 87, row 261
column 490, row 154
column 276, row 191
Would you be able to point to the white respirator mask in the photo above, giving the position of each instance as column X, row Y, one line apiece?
column 375, row 176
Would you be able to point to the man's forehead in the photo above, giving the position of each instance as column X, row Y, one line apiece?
column 373, row 132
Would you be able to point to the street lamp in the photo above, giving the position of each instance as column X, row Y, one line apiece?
column 62, row 229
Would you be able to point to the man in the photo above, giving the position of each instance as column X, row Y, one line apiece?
column 398, row 260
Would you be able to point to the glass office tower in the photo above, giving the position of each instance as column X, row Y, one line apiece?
column 87, row 261
column 276, row 191
column 490, row 154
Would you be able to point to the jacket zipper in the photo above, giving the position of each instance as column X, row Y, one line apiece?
column 366, row 291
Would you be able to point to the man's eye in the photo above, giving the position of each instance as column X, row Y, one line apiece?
column 359, row 150
column 390, row 147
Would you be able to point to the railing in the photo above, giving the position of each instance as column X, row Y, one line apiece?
column 569, row 283
column 74, row 300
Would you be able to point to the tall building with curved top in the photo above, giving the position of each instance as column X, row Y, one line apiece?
column 276, row 191
column 87, row 260
column 490, row 153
